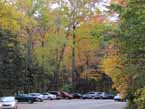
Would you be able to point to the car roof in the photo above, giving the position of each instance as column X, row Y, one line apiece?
column 7, row 97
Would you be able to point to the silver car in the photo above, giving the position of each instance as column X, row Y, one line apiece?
column 48, row 96
column 8, row 103
column 90, row 95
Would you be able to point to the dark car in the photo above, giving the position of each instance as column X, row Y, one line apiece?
column 57, row 93
column 110, row 96
column 77, row 95
column 25, row 98
column 66, row 95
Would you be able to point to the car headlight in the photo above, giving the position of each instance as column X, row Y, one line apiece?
column 13, row 104
column 0, row 105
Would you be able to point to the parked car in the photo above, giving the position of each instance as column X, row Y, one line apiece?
column 8, row 103
column 48, row 96
column 77, row 95
column 66, row 95
column 57, row 93
column 98, row 95
column 105, row 95
column 26, row 98
column 110, row 96
column 39, row 96
column 90, row 95
column 118, row 97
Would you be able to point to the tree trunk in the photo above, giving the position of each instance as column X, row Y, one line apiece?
column 59, row 62
column 74, row 59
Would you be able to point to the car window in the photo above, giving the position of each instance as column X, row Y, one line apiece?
column 99, row 92
column 22, row 95
column 7, row 99
column 91, row 93
column 32, row 94
column 35, row 94
column 53, row 93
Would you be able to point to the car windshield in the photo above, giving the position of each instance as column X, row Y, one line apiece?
column 22, row 94
column 46, row 94
column 90, row 93
column 7, row 99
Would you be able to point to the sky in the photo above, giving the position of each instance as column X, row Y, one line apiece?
column 102, row 6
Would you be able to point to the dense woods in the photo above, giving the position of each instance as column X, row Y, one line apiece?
column 73, row 45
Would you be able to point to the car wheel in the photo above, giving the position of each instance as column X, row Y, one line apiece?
column 50, row 98
column 67, row 98
column 40, row 100
column 15, row 107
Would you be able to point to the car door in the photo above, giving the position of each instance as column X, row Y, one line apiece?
column 19, row 98
column 92, row 94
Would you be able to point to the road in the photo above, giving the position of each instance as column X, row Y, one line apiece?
column 74, row 104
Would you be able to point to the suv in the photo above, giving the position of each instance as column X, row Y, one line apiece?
column 25, row 98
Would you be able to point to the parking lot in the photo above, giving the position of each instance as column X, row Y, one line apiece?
column 74, row 104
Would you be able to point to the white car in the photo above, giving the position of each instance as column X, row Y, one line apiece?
column 118, row 97
column 48, row 96
column 8, row 103
column 39, row 96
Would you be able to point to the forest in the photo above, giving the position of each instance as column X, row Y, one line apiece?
column 73, row 45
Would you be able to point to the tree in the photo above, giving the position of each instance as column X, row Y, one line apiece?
column 131, row 38
column 11, row 67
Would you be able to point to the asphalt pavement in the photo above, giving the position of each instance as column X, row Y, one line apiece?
column 74, row 104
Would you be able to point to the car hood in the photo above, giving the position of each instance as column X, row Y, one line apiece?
column 7, row 103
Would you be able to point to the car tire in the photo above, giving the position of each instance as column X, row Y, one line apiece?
column 50, row 98
column 15, row 107
column 101, row 97
column 40, row 100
